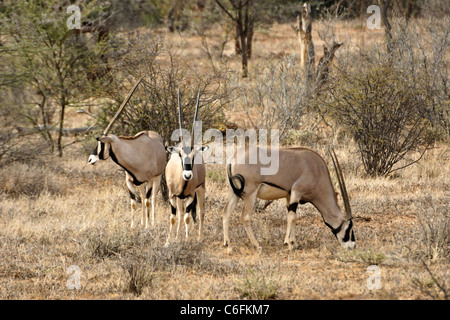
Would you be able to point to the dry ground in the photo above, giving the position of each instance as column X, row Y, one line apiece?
column 63, row 212
column 55, row 213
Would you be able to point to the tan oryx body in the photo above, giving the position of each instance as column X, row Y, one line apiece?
column 142, row 157
column 185, row 176
column 186, row 187
column 302, row 177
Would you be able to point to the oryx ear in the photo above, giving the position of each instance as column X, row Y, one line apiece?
column 107, row 139
column 172, row 149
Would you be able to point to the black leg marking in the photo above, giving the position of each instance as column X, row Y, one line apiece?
column 193, row 207
column 132, row 195
column 174, row 210
column 293, row 207
column 149, row 193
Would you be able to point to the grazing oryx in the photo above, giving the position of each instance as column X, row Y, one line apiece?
column 302, row 177
column 142, row 157
column 185, row 176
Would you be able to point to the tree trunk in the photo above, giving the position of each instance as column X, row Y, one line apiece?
column 304, row 36
column 61, row 128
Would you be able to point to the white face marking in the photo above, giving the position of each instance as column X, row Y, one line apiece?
column 93, row 158
column 346, row 235
column 187, row 175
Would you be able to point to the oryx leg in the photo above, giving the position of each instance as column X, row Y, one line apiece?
column 144, row 219
column 201, row 205
column 181, row 209
column 249, row 202
column 187, row 206
column 132, row 190
column 154, row 189
column 293, row 201
column 173, row 206
column 229, row 208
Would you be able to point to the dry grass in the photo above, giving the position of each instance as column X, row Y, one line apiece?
column 61, row 212
column 401, row 225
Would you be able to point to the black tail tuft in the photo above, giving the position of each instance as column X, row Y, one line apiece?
column 236, row 178
column 193, row 207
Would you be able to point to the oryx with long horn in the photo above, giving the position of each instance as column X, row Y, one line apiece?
column 185, row 176
column 142, row 157
column 302, row 177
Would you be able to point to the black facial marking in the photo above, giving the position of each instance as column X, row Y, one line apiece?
column 347, row 232
column 102, row 150
column 95, row 152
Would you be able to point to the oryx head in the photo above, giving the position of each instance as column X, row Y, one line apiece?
column 344, row 233
column 101, row 151
column 187, row 151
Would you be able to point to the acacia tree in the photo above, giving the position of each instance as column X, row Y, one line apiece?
column 47, row 62
column 242, row 14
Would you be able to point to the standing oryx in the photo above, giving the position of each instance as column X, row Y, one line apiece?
column 302, row 177
column 142, row 157
column 185, row 176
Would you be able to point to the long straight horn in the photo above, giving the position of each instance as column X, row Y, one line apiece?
column 122, row 106
column 195, row 118
column 337, row 167
column 179, row 115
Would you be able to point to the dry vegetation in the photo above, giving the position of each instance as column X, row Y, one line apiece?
column 57, row 212
column 63, row 212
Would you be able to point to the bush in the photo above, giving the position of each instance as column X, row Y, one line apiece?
column 392, row 102
column 383, row 115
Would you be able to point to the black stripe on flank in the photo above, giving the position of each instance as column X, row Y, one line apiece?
column 135, row 181
column 182, row 195
column 274, row 185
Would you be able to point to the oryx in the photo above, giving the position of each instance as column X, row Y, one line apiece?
column 142, row 157
column 185, row 176
column 302, row 177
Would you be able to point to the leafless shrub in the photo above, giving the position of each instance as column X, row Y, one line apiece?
column 434, row 226
column 385, row 100
column 29, row 180
column 154, row 106
column 139, row 276
column 276, row 97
